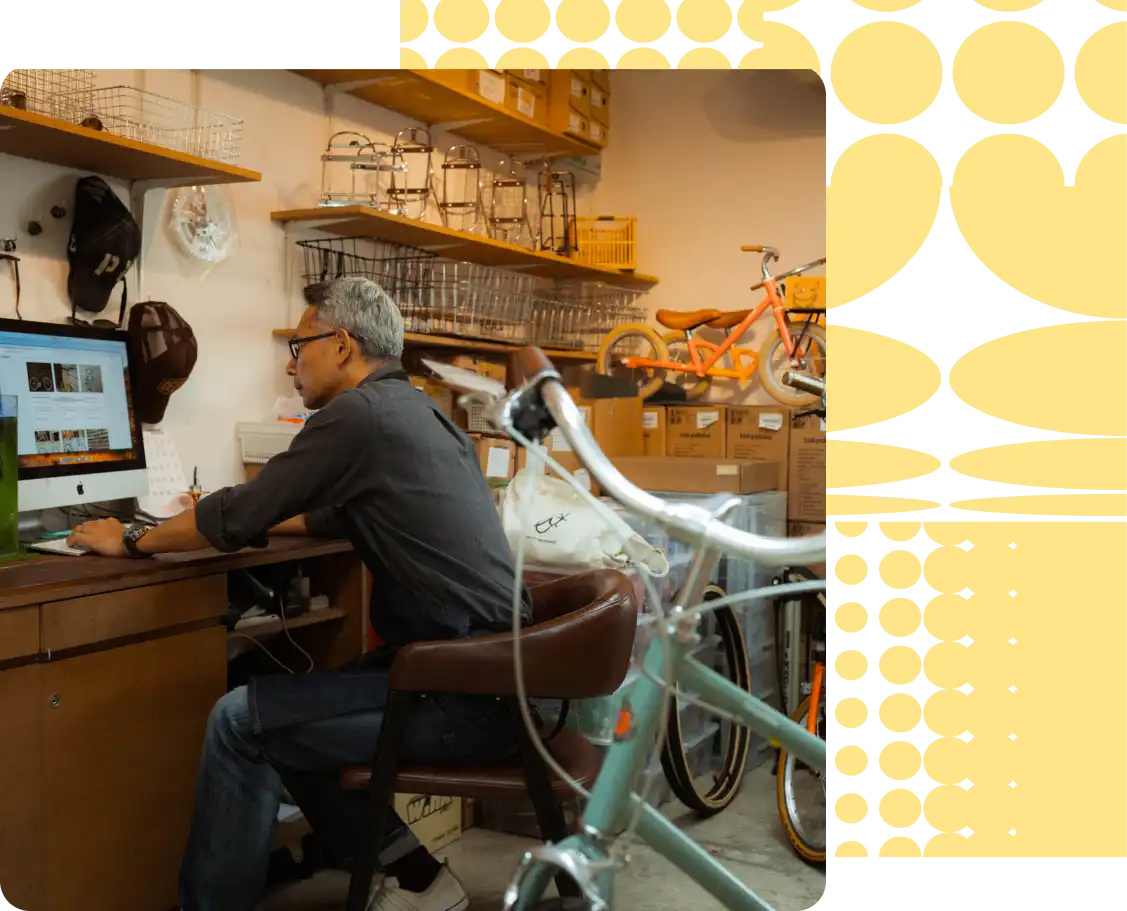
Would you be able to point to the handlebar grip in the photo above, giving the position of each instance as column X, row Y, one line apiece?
column 801, row 381
column 526, row 363
column 756, row 248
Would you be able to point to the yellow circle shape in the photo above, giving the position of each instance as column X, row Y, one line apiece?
column 851, row 617
column 851, row 849
column 851, row 760
column 947, row 617
column 947, row 712
column 413, row 18
column 582, row 58
column 704, row 21
column 900, row 847
column 947, row 808
column 704, row 58
column 851, row 665
column 642, row 58
column 520, row 58
column 851, row 713
column 886, row 72
column 900, row 531
column 851, row 808
column 583, row 21
column 900, row 665
column 643, row 21
column 522, row 20
column 461, row 20
column 900, row 760
column 900, row 569
column 946, row 569
column 948, row 760
column 411, row 60
column 947, row 665
column 886, row 6
column 1101, row 72
column 900, row 808
column 900, row 713
column 851, row 569
column 1008, row 72
column 1008, row 6
column 900, row 617
column 461, row 58
column 946, row 844
column 851, row 529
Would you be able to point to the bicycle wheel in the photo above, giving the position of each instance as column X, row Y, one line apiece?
column 801, row 792
column 636, row 340
column 708, row 791
column 694, row 386
column 774, row 362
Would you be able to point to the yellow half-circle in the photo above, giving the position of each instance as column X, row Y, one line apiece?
column 1094, row 464
column 850, row 464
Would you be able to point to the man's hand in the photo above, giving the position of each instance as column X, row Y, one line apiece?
column 102, row 536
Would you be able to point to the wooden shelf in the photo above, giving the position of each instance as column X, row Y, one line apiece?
column 273, row 627
column 451, row 343
column 27, row 135
column 362, row 221
column 422, row 96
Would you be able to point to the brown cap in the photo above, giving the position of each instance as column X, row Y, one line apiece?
column 162, row 353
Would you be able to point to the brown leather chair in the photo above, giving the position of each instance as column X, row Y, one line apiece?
column 578, row 647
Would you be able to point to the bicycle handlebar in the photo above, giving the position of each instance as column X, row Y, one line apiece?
column 804, row 382
column 687, row 521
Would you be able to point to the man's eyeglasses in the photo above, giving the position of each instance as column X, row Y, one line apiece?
column 296, row 344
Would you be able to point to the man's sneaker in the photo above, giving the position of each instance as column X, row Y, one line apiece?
column 446, row 893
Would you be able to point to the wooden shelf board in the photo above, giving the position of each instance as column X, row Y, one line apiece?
column 274, row 627
column 33, row 136
column 452, row 343
column 418, row 94
column 362, row 221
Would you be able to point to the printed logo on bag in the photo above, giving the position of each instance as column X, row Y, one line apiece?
column 546, row 525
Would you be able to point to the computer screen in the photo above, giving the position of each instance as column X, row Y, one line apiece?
column 75, row 412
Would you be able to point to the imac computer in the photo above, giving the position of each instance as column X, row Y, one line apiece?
column 78, row 438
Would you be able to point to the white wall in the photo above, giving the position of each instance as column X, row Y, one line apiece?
column 707, row 160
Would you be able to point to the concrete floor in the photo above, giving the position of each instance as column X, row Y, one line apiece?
column 747, row 837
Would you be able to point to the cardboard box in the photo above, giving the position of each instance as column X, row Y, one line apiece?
column 653, row 430
column 600, row 106
column 698, row 475
column 802, row 530
column 490, row 85
column 497, row 457
column 617, row 426
column 534, row 77
column 493, row 369
column 760, row 432
column 474, row 420
column 601, row 78
column 696, row 431
column 806, row 484
column 442, row 396
column 436, row 821
column 569, row 103
column 559, row 449
column 527, row 99
column 598, row 134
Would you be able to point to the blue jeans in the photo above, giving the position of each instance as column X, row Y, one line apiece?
column 245, row 767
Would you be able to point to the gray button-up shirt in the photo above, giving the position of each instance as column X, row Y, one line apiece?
column 381, row 466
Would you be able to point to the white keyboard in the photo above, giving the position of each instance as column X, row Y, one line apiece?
column 58, row 546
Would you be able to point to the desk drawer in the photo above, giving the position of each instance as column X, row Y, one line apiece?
column 132, row 612
column 19, row 633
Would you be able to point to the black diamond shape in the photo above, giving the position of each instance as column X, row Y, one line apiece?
column 1067, row 127
column 944, row 263
column 429, row 45
column 1070, row 20
column 552, row 46
column 843, row 129
column 612, row 44
column 948, row 129
column 947, row 26
column 944, row 425
column 491, row 44
column 673, row 45
column 735, row 45
column 823, row 21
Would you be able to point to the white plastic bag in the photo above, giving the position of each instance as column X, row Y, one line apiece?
column 561, row 529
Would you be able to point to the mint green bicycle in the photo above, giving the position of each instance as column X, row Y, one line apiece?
column 614, row 813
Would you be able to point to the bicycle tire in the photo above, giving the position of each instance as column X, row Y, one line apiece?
column 784, row 395
column 604, row 359
column 694, row 386
column 674, row 755
column 805, row 846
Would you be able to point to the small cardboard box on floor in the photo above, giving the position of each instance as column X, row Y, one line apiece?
column 806, row 488
column 435, row 821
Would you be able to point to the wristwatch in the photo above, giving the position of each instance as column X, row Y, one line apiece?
column 131, row 536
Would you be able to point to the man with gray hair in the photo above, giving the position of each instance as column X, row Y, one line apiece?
column 380, row 465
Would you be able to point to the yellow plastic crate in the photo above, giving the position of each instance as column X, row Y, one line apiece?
column 607, row 240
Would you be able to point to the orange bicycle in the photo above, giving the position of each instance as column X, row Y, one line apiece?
column 798, row 343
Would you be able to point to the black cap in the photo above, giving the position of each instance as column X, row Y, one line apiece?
column 104, row 242
column 162, row 353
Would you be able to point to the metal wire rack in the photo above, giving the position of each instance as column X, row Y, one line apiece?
column 63, row 94
column 160, row 121
column 445, row 297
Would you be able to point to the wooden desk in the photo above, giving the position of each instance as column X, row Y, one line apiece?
column 108, row 671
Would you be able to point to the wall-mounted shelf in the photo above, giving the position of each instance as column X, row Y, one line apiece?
column 362, row 221
column 33, row 136
column 451, row 343
column 418, row 94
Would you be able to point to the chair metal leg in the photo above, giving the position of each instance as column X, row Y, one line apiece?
column 380, row 792
column 549, row 813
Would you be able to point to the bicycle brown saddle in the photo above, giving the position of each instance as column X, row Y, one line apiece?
column 686, row 320
column 729, row 319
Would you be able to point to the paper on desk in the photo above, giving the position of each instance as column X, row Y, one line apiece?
column 167, row 494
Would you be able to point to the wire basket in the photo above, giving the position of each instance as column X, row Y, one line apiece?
column 63, row 94
column 154, row 119
column 606, row 240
